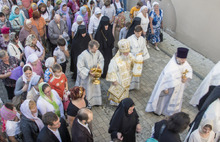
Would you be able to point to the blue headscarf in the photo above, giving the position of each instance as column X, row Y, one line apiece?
column 83, row 8
column 120, row 10
column 13, row 15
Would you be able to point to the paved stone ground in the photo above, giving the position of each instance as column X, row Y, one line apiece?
column 152, row 70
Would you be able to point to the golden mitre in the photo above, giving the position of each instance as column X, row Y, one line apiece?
column 124, row 45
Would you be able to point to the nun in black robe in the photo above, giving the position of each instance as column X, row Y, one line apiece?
column 136, row 21
column 210, row 99
column 106, row 41
column 123, row 122
column 79, row 44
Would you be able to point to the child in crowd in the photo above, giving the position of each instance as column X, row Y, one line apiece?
column 11, row 122
column 134, row 10
column 48, row 72
column 124, row 31
column 61, row 53
column 58, row 81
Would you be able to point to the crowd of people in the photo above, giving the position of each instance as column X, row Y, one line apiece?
column 39, row 37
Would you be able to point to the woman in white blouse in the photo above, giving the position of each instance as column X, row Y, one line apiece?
column 15, row 47
column 143, row 14
column 49, row 100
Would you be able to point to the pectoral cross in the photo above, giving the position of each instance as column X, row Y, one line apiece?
column 184, row 73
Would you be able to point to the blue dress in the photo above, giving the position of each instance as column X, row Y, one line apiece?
column 155, row 38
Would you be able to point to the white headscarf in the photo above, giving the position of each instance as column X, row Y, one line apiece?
column 205, row 122
column 79, row 18
column 97, row 11
column 155, row 3
column 24, row 76
column 34, row 81
column 50, row 61
column 142, row 8
column 32, row 58
column 25, row 110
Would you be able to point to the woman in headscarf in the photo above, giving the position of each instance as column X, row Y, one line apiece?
column 156, row 22
column 33, row 90
column 49, row 100
column 125, row 122
column 203, row 133
column 22, row 83
column 31, row 124
column 35, row 63
column 66, row 15
column 118, row 25
column 84, row 14
column 11, row 122
column 79, row 44
column 144, row 19
column 27, row 30
column 136, row 21
column 106, row 40
column 4, row 38
column 16, row 18
column 6, row 10
column 91, row 4
column 33, row 8
column 209, row 110
column 48, row 72
column 15, row 47
column 32, row 45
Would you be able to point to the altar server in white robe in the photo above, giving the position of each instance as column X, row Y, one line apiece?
column 167, row 95
column 120, row 71
column 138, row 46
column 206, row 87
column 88, row 59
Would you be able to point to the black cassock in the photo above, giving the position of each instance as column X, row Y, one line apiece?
column 123, row 122
column 106, row 41
column 79, row 44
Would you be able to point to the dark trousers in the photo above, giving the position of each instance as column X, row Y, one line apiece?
column 10, row 91
column 52, row 46
column 63, row 65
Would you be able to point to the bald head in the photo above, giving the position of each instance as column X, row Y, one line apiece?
column 57, row 18
column 85, row 115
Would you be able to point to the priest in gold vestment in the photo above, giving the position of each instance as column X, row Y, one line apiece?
column 120, row 73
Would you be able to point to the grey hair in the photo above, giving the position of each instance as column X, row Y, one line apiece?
column 93, row 42
column 56, row 16
column 29, row 40
column 3, row 53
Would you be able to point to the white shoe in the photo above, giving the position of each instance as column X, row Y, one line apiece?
column 148, row 46
column 157, row 48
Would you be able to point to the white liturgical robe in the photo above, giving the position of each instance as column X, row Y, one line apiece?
column 171, row 79
column 137, row 45
column 86, row 61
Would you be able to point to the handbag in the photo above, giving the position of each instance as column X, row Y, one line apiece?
column 161, row 131
column 161, row 35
